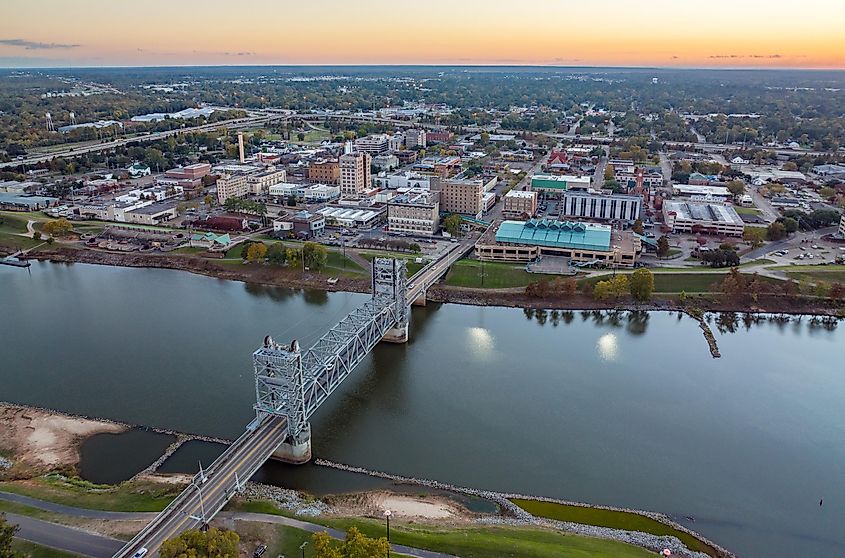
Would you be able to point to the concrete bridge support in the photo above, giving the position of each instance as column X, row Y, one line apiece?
column 397, row 334
column 296, row 451
column 420, row 300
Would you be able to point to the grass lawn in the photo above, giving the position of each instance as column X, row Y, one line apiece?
column 481, row 542
column 748, row 211
column 413, row 267
column 833, row 276
column 467, row 273
column 129, row 496
column 609, row 518
column 337, row 264
column 675, row 282
column 834, row 267
column 33, row 550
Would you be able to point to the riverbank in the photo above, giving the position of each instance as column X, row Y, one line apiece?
column 516, row 298
column 37, row 440
column 26, row 432
column 511, row 297
column 234, row 271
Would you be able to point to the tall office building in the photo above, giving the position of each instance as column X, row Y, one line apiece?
column 355, row 177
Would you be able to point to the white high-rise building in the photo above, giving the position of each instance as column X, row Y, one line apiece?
column 355, row 176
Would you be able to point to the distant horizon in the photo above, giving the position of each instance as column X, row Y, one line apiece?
column 605, row 33
column 433, row 65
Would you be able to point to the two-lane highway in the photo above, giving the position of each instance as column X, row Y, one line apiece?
column 206, row 496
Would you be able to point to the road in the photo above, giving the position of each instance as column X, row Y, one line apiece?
column 64, row 538
column 99, row 546
column 237, row 465
column 91, row 148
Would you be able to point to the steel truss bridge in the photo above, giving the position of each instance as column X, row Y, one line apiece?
column 290, row 385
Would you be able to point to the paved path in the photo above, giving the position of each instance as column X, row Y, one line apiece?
column 64, row 538
column 99, row 546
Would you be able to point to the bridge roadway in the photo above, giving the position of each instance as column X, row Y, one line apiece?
column 201, row 500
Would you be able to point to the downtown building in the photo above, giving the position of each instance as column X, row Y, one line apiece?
column 415, row 212
column 601, row 207
column 355, row 174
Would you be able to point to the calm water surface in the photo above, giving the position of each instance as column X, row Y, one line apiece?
column 629, row 412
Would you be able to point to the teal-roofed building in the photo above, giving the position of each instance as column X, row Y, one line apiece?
column 551, row 183
column 524, row 241
column 210, row 240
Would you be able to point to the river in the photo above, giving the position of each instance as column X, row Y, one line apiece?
column 629, row 410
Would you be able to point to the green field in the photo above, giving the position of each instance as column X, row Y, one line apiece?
column 609, row 518
column 832, row 276
column 481, row 542
column 748, row 211
column 468, row 273
column 676, row 282
column 128, row 496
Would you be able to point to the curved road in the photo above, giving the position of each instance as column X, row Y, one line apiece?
column 99, row 546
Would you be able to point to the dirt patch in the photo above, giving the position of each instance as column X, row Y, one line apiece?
column 43, row 439
column 401, row 506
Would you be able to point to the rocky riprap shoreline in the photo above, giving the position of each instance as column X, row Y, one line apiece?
column 515, row 515
column 286, row 499
column 5, row 463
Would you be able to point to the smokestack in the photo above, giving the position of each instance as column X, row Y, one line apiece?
column 241, row 145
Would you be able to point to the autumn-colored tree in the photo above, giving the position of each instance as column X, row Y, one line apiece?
column 214, row 543
column 642, row 284
column 59, row 227
column 315, row 255
column 638, row 227
column 356, row 545
column 256, row 251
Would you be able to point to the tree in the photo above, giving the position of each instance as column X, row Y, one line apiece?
column 736, row 187
column 276, row 254
column 642, row 284
column 59, row 227
column 356, row 545
column 452, row 224
column 291, row 201
column 7, row 532
column 615, row 287
column 415, row 248
column 293, row 257
column 256, row 251
column 790, row 224
column 754, row 236
column 214, row 543
column 609, row 173
column 776, row 231
column 638, row 227
column 315, row 255
column 208, row 199
column 662, row 247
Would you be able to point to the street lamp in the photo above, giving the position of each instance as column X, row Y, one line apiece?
column 302, row 548
column 387, row 514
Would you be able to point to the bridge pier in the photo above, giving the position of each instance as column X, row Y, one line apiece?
column 420, row 300
column 296, row 451
column 397, row 334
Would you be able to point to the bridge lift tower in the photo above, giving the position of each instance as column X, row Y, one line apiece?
column 292, row 383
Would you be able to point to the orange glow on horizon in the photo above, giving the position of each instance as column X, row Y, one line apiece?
column 722, row 33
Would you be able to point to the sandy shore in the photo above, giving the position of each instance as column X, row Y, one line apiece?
column 401, row 506
column 45, row 439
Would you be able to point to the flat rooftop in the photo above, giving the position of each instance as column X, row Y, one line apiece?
column 712, row 212
column 555, row 234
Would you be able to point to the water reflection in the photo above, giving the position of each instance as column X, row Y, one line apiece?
column 481, row 342
column 607, row 347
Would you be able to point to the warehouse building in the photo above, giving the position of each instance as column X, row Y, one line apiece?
column 551, row 183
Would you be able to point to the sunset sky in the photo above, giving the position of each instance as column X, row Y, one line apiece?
column 686, row 33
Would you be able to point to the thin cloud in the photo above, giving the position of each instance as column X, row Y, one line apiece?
column 34, row 45
column 739, row 56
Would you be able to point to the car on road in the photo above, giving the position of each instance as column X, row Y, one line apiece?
column 141, row 553
column 262, row 548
